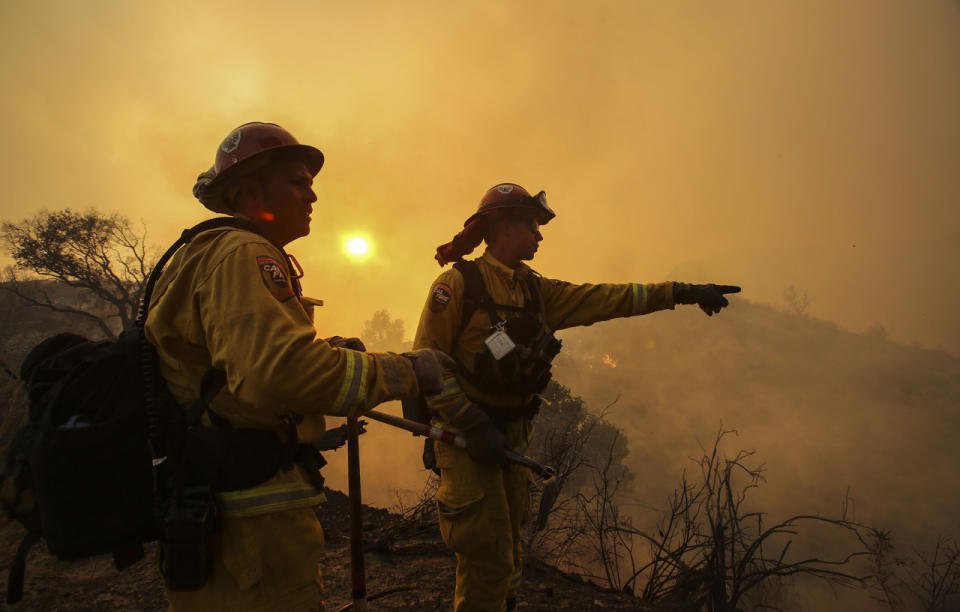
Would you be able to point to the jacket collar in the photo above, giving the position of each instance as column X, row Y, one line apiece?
column 507, row 272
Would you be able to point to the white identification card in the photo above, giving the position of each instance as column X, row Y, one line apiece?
column 499, row 344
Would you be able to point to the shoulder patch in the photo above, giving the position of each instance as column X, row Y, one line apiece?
column 556, row 283
column 440, row 297
column 274, row 278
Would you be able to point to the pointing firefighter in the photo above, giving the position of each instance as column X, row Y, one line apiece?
column 228, row 320
column 497, row 317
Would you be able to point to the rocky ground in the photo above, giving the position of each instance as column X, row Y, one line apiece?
column 405, row 556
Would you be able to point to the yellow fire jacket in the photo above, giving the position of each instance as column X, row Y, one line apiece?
column 566, row 305
column 226, row 300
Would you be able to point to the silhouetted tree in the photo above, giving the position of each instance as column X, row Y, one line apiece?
column 719, row 553
column 98, row 255
column 877, row 331
column 382, row 333
column 580, row 446
column 796, row 299
column 919, row 581
column 706, row 551
column 571, row 440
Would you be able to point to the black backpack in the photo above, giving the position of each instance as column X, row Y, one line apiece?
column 103, row 451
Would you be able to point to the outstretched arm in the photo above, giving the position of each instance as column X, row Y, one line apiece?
column 569, row 305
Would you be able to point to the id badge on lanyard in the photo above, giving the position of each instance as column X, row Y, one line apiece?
column 499, row 344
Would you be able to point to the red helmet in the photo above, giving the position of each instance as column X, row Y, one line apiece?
column 244, row 150
column 511, row 195
column 503, row 196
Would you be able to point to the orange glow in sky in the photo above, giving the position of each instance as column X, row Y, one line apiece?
column 812, row 144
column 740, row 142
column 358, row 247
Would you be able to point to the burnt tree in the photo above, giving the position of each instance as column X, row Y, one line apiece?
column 100, row 257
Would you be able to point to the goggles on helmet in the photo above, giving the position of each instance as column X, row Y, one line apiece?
column 536, row 204
column 543, row 209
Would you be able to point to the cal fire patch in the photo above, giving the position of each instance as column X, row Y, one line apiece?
column 440, row 297
column 274, row 278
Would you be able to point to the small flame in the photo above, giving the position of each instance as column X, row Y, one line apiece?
column 609, row 361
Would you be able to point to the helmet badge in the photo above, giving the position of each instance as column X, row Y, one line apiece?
column 231, row 142
column 504, row 188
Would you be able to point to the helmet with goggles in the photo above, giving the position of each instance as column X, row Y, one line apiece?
column 511, row 195
column 502, row 197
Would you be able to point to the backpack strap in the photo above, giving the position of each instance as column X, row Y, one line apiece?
column 186, row 236
column 210, row 385
column 213, row 380
column 474, row 293
column 536, row 298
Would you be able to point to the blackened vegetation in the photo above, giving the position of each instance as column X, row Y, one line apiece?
column 917, row 579
column 708, row 547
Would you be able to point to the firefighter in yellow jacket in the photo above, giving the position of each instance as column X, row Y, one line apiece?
column 496, row 317
column 230, row 302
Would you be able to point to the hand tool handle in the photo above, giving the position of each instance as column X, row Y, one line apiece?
column 448, row 437
column 357, row 572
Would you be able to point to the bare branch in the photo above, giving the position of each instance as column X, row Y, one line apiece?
column 96, row 252
column 50, row 305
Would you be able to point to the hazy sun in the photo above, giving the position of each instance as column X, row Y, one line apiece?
column 357, row 247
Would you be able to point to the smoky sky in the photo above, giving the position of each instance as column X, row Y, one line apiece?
column 664, row 134
column 810, row 144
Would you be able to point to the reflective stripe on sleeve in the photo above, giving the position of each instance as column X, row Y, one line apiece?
column 457, row 410
column 354, row 387
column 639, row 298
column 450, row 387
column 270, row 498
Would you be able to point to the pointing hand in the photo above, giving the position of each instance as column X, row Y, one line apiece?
column 710, row 297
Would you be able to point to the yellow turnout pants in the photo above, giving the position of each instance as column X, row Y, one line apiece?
column 262, row 563
column 481, row 510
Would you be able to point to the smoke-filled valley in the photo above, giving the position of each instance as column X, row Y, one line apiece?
column 846, row 424
column 825, row 409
